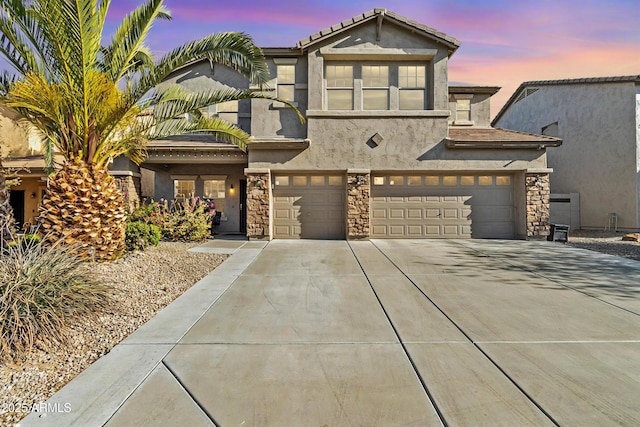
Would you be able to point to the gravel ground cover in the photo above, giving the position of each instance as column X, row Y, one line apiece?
column 143, row 283
column 607, row 242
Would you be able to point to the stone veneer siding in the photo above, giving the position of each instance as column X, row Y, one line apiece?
column 130, row 187
column 537, row 204
column 258, row 206
column 358, row 205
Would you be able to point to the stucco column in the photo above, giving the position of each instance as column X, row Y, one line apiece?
column 537, row 204
column 358, row 193
column 258, row 183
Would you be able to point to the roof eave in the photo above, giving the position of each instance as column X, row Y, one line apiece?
column 450, row 143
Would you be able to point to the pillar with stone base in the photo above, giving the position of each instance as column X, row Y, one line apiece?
column 358, row 195
column 537, row 186
column 258, row 184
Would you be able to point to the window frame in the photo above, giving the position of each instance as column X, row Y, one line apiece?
column 375, row 88
column 359, row 85
column 337, row 88
column 416, row 88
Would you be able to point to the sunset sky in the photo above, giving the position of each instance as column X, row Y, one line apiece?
column 504, row 42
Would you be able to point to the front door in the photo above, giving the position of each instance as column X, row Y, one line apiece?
column 243, row 205
column 16, row 199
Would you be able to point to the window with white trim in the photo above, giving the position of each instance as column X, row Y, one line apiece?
column 375, row 87
column 183, row 189
column 412, row 81
column 365, row 86
column 339, row 87
column 286, row 81
column 463, row 110
column 214, row 189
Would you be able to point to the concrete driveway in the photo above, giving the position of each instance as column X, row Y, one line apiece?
column 380, row 333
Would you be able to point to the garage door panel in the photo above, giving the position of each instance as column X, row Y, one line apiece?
column 396, row 213
column 414, row 213
column 467, row 207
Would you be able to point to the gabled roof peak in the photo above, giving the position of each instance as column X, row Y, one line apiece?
column 379, row 13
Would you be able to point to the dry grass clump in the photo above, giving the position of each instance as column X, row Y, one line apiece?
column 42, row 288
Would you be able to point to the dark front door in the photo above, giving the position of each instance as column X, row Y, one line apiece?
column 16, row 199
column 243, row 205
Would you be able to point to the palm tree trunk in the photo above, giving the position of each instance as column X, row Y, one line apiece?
column 82, row 206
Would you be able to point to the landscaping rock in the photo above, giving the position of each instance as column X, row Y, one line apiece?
column 631, row 237
column 144, row 283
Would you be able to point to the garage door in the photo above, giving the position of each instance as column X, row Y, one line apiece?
column 308, row 206
column 418, row 206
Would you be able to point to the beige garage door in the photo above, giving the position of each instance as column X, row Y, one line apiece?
column 417, row 206
column 308, row 206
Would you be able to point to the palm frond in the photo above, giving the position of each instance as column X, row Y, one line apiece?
column 20, row 35
column 221, row 130
column 174, row 100
column 235, row 50
column 6, row 81
column 125, row 50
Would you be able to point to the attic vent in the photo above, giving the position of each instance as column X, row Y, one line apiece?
column 526, row 92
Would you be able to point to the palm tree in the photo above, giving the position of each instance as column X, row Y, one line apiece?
column 87, row 101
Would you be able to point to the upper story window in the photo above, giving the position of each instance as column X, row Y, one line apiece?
column 463, row 110
column 412, row 81
column 375, row 87
column 286, row 81
column 339, row 87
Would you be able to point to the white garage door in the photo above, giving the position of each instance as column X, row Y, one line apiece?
column 418, row 206
column 308, row 206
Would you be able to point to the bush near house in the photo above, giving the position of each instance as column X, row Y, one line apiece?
column 140, row 235
column 184, row 221
column 42, row 288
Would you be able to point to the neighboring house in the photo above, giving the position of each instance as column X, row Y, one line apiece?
column 388, row 149
column 21, row 151
column 599, row 121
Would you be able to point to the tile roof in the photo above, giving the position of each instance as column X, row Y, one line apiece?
column 580, row 81
column 451, row 42
column 472, row 137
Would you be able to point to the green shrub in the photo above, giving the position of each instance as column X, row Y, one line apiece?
column 186, row 221
column 42, row 288
column 26, row 240
column 140, row 235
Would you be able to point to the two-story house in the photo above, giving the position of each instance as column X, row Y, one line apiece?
column 388, row 149
column 596, row 183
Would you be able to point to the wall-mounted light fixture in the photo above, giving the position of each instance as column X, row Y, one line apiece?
column 231, row 189
column 33, row 195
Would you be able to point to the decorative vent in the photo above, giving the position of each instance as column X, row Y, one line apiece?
column 526, row 92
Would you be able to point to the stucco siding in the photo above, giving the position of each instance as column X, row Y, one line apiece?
column 480, row 110
column 204, row 77
column 270, row 119
column 340, row 143
column 598, row 157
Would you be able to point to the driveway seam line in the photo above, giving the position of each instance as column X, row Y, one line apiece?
column 193, row 398
column 402, row 345
column 522, row 390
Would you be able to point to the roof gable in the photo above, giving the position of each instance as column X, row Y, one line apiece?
column 380, row 15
